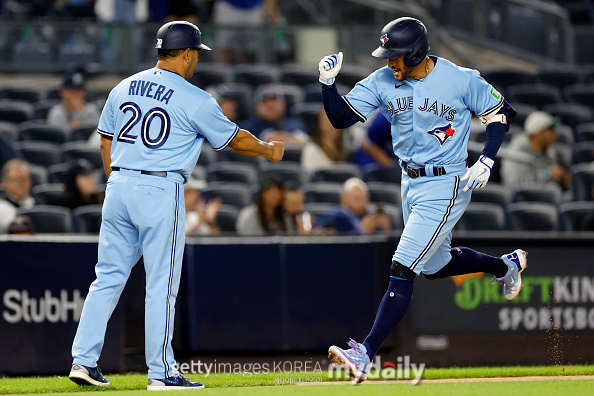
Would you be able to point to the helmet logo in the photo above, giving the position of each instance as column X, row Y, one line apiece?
column 159, row 43
column 384, row 39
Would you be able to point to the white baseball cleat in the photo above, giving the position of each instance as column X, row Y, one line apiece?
column 355, row 360
column 512, row 281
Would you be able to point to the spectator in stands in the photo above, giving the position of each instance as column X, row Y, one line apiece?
column 231, row 46
column 81, row 186
column 293, row 203
column 16, row 182
column 227, row 102
column 531, row 156
column 271, row 122
column 267, row 215
column 74, row 109
column 353, row 216
column 376, row 146
column 326, row 146
column 200, row 215
column 21, row 225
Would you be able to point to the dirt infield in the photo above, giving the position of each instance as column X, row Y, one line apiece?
column 459, row 380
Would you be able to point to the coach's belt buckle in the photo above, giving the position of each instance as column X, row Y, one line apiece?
column 412, row 172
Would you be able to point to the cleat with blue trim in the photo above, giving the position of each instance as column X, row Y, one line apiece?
column 512, row 281
column 173, row 383
column 354, row 360
column 83, row 375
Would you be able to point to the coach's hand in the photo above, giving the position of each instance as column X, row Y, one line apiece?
column 329, row 67
column 478, row 174
column 277, row 152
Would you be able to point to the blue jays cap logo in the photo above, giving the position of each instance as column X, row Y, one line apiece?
column 384, row 39
column 442, row 133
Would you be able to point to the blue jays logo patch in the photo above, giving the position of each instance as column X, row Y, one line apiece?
column 384, row 39
column 442, row 133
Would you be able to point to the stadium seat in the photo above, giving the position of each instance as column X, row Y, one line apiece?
column 7, row 150
column 9, row 130
column 207, row 154
column 378, row 173
column 523, row 111
column 308, row 113
column 82, row 132
column 73, row 151
column 585, row 132
column 570, row 113
column 228, row 171
column 228, row 154
column 41, row 131
column 14, row 111
column 565, row 134
column 57, row 173
column 288, row 171
column 351, row 74
column 27, row 94
column 255, row 74
column 293, row 153
column 577, row 216
column 507, row 77
column 207, row 74
column 538, row 95
column 493, row 193
column 298, row 74
column 538, row 192
column 482, row 216
column 560, row 76
column 234, row 194
column 292, row 94
column 317, row 209
column 42, row 108
column 583, row 152
column 48, row 194
column 87, row 219
column 581, row 93
column 337, row 172
column 226, row 218
column 322, row 193
column 41, row 153
column 564, row 154
column 243, row 93
column 395, row 214
column 582, row 181
column 384, row 193
column 49, row 219
column 38, row 174
column 531, row 216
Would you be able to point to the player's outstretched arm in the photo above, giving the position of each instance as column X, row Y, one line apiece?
column 105, row 149
column 247, row 144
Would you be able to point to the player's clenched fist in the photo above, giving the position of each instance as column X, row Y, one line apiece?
column 329, row 67
column 277, row 153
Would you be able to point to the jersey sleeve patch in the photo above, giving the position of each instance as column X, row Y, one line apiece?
column 228, row 140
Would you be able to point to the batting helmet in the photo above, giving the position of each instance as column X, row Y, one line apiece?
column 179, row 35
column 403, row 36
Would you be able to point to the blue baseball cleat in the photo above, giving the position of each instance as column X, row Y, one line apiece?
column 512, row 281
column 83, row 375
column 173, row 383
column 355, row 360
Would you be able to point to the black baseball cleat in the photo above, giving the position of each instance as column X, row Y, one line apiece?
column 83, row 375
column 173, row 383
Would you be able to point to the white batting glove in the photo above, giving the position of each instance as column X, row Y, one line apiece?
column 329, row 67
column 478, row 174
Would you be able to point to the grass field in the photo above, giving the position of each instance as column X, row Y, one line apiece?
column 319, row 383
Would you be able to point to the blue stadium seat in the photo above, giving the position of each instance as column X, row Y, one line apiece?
column 570, row 113
column 42, row 108
column 14, row 111
column 73, row 151
column 387, row 193
column 226, row 218
column 531, row 216
column 493, row 193
column 560, row 75
column 482, row 216
column 40, row 153
column 320, row 192
column 287, row 171
column 581, row 93
column 538, row 192
column 577, row 216
column 583, row 152
column 291, row 93
column 298, row 74
column 308, row 113
column 207, row 74
column 41, row 131
column 244, row 95
column 293, row 153
column 234, row 194
column 506, row 77
column 378, row 173
column 27, row 94
column 582, row 181
column 538, row 95
column 48, row 194
column 87, row 219
column 228, row 171
column 585, row 132
column 255, row 74
column 49, row 219
column 337, row 172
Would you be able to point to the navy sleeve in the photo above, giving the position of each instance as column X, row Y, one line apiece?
column 496, row 131
column 340, row 114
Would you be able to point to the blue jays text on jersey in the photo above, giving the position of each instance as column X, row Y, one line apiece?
column 430, row 117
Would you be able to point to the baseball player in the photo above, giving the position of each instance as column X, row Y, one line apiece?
column 152, row 130
column 428, row 101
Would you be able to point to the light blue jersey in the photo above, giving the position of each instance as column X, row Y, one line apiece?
column 158, row 122
column 430, row 117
